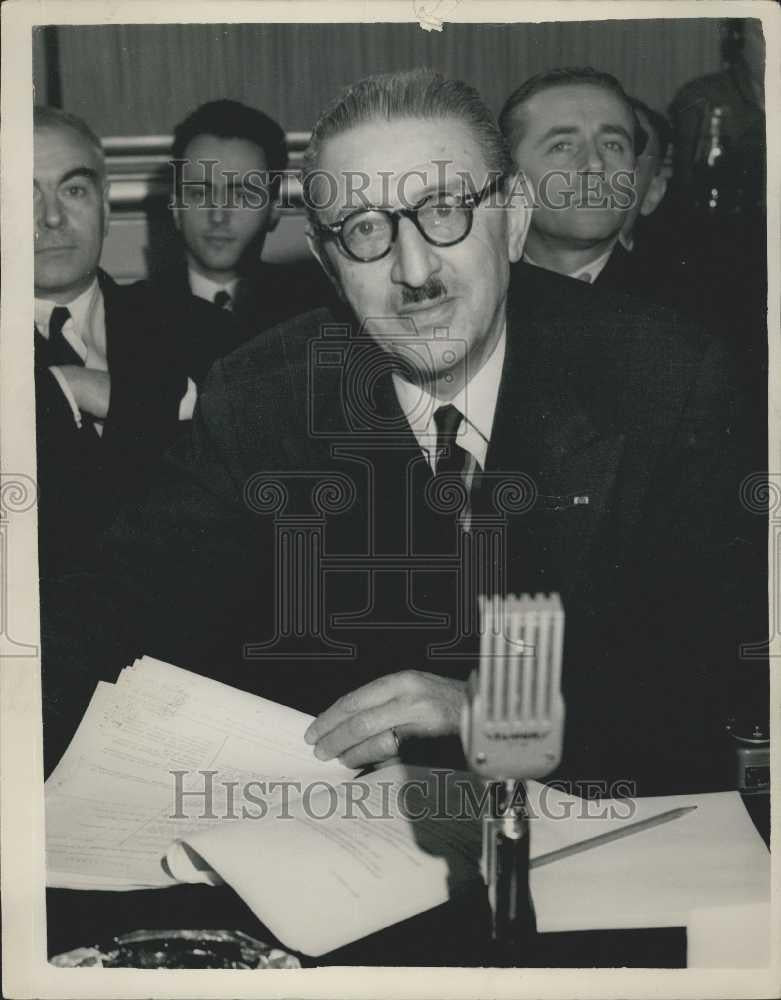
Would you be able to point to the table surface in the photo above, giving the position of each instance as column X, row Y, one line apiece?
column 454, row 934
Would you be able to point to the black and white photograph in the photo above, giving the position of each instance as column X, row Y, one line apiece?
column 390, row 502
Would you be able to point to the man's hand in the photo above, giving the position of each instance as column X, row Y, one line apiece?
column 359, row 728
column 91, row 389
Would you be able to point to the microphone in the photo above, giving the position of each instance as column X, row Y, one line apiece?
column 512, row 729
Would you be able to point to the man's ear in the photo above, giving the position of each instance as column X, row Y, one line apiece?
column 653, row 196
column 273, row 219
column 175, row 214
column 519, row 202
column 106, row 207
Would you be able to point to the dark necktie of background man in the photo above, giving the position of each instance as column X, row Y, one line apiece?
column 222, row 299
column 60, row 351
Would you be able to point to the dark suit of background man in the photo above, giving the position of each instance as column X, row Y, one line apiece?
column 567, row 124
column 568, row 129
column 709, row 264
column 229, row 160
column 109, row 393
column 613, row 427
column 649, row 258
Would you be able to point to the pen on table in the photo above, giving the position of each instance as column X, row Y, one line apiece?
column 608, row 838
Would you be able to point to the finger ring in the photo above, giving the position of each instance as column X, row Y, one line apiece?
column 395, row 736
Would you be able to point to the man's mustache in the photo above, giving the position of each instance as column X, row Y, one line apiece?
column 433, row 288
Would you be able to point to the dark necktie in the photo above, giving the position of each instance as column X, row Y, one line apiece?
column 60, row 351
column 452, row 461
column 451, row 457
column 222, row 299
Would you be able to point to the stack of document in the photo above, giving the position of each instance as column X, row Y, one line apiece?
column 112, row 808
column 175, row 777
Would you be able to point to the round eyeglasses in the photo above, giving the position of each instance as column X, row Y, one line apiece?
column 443, row 220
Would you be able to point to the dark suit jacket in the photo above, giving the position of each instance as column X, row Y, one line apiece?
column 600, row 398
column 83, row 478
column 717, row 280
column 669, row 275
column 622, row 273
column 266, row 295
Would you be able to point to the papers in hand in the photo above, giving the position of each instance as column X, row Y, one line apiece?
column 314, row 870
column 111, row 809
column 326, row 875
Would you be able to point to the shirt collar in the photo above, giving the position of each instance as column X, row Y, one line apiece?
column 205, row 288
column 476, row 401
column 590, row 272
column 81, row 309
column 593, row 269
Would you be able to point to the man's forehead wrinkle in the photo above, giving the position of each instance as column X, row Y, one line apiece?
column 53, row 173
column 375, row 140
column 412, row 181
column 380, row 163
column 558, row 107
column 556, row 130
column 580, row 121
column 59, row 162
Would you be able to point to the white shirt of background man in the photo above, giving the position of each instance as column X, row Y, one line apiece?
column 85, row 331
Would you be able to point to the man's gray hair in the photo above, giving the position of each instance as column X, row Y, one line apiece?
column 45, row 116
column 407, row 94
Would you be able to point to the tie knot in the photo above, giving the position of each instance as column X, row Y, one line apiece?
column 59, row 317
column 448, row 419
column 222, row 299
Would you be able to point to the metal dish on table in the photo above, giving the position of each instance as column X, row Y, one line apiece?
column 179, row 949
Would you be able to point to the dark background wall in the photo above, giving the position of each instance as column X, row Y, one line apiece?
column 142, row 79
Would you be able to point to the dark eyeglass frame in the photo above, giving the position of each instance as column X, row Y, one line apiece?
column 469, row 202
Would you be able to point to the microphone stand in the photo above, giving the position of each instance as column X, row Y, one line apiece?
column 512, row 729
column 506, row 867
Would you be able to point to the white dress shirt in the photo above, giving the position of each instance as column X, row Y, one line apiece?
column 591, row 271
column 205, row 288
column 476, row 401
column 85, row 331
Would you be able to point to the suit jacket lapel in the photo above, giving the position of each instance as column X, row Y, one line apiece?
column 617, row 272
column 375, row 428
column 244, row 296
column 113, row 315
column 42, row 352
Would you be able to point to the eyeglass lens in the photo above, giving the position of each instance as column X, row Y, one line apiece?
column 369, row 234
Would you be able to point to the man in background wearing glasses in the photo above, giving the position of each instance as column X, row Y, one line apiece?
column 309, row 542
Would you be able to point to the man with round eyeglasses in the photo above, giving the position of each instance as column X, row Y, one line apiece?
column 455, row 365
column 367, row 234
column 420, row 245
